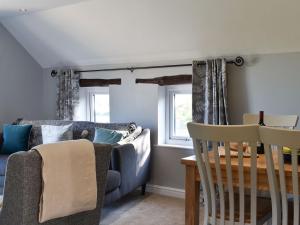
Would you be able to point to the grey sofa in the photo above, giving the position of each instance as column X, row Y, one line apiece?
column 129, row 166
column 23, row 189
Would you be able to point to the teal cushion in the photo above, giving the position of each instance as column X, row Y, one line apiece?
column 106, row 136
column 15, row 138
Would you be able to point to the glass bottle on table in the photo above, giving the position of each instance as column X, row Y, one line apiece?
column 260, row 146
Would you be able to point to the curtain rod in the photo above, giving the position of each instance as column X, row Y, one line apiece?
column 238, row 61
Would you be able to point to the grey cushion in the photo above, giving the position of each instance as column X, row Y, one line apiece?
column 3, row 162
column 113, row 181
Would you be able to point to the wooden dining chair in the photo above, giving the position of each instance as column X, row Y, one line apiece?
column 281, row 183
column 283, row 121
column 232, row 206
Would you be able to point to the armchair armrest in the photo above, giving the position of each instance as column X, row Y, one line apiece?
column 133, row 162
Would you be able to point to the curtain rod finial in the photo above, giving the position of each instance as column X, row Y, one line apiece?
column 239, row 61
column 54, row 73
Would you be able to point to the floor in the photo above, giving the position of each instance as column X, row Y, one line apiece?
column 150, row 209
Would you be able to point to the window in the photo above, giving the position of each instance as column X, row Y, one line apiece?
column 99, row 105
column 179, row 113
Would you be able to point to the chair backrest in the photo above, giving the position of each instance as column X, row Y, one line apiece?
column 284, row 121
column 23, row 186
column 216, row 135
column 279, row 138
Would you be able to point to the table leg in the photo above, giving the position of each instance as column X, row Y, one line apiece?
column 192, row 195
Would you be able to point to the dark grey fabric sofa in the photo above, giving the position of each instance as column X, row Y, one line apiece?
column 23, row 187
column 130, row 163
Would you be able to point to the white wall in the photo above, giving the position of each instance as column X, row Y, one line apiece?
column 266, row 82
column 20, row 81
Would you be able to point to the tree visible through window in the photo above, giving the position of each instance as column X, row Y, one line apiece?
column 182, row 114
column 179, row 113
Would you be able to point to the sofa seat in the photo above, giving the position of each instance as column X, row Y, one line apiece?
column 113, row 181
column 3, row 162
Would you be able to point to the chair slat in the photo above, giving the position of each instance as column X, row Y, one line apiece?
column 229, row 183
column 211, row 184
column 204, row 181
column 241, row 183
column 282, row 183
column 220, row 184
column 276, row 218
column 253, row 173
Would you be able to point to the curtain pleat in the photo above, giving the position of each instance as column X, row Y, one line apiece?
column 67, row 94
column 210, row 92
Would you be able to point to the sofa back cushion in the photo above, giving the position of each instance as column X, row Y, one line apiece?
column 77, row 127
column 15, row 138
column 53, row 134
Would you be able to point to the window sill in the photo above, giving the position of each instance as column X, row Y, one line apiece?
column 186, row 147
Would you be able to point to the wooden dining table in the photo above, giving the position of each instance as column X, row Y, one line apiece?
column 192, row 180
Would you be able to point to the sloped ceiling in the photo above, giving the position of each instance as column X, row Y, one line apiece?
column 10, row 8
column 139, row 31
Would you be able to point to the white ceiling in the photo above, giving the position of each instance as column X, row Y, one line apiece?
column 144, row 31
column 9, row 8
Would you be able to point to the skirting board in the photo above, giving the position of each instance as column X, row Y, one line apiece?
column 167, row 191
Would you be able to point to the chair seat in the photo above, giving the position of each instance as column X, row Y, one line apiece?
column 264, row 209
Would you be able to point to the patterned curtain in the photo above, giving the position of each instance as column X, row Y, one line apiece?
column 67, row 94
column 210, row 92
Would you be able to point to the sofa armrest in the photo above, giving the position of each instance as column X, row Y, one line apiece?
column 133, row 162
column 23, row 185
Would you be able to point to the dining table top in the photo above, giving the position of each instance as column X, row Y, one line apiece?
column 261, row 169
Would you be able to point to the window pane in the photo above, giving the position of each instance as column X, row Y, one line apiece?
column 182, row 114
column 101, row 108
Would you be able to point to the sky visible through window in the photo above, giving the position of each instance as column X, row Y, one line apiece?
column 102, row 108
column 182, row 114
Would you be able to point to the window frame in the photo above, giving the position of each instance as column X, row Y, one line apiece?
column 170, row 138
column 91, row 102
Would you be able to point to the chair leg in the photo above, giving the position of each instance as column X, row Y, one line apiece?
column 143, row 189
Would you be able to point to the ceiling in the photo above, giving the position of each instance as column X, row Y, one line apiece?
column 144, row 31
column 9, row 8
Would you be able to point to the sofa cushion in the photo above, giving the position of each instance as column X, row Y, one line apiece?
column 113, row 181
column 15, row 138
column 3, row 162
column 78, row 126
column 53, row 134
column 106, row 136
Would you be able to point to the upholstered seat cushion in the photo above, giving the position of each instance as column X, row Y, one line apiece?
column 3, row 162
column 113, row 181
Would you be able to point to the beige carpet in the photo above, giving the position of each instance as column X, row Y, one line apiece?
column 150, row 209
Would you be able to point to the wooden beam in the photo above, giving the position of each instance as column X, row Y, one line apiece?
column 167, row 80
column 98, row 82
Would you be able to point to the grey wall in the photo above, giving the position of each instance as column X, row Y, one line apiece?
column 266, row 82
column 20, row 81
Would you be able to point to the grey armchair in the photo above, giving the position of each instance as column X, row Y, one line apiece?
column 23, row 188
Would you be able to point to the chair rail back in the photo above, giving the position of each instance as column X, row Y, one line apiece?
column 284, row 121
column 201, row 135
column 279, row 138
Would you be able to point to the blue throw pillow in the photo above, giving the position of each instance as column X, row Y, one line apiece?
column 106, row 136
column 15, row 138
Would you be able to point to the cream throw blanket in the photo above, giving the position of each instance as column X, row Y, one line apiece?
column 69, row 179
